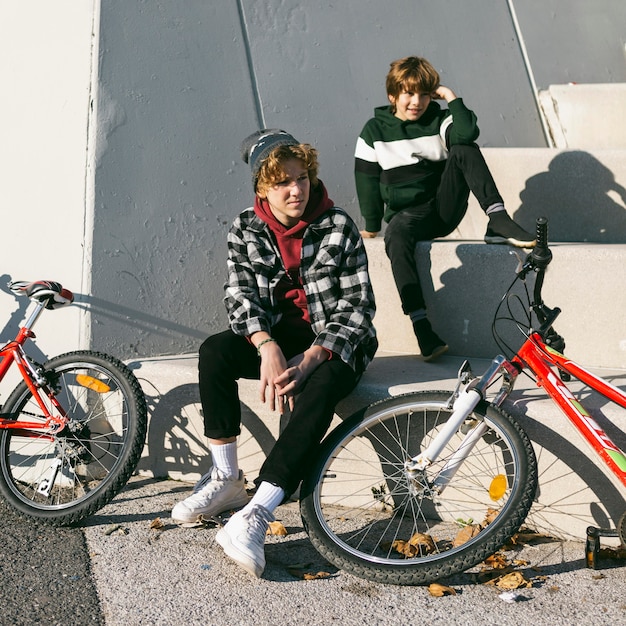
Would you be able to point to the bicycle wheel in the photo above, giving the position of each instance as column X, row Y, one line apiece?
column 66, row 476
column 365, row 514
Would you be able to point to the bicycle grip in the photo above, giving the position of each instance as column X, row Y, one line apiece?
column 541, row 254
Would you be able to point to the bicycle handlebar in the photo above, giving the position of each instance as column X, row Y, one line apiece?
column 538, row 260
column 541, row 254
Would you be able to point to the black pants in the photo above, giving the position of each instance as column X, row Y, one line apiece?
column 465, row 171
column 226, row 357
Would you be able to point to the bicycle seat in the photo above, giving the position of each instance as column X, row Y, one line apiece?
column 52, row 294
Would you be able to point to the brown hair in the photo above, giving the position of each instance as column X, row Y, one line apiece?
column 414, row 74
column 272, row 171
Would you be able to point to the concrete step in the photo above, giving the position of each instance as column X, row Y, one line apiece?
column 464, row 282
column 600, row 105
column 575, row 491
column 581, row 192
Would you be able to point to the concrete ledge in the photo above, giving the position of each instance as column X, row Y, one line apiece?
column 581, row 192
column 574, row 489
column 464, row 281
column 599, row 104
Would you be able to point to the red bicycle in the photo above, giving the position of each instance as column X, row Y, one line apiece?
column 428, row 484
column 72, row 432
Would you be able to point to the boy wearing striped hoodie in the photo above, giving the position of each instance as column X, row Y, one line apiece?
column 415, row 166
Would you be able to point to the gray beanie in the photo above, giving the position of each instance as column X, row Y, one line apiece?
column 258, row 146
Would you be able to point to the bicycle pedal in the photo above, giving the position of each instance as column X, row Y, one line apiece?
column 592, row 545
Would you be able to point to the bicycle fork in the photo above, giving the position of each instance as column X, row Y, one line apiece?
column 465, row 402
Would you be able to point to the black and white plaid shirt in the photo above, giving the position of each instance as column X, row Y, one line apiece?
column 334, row 275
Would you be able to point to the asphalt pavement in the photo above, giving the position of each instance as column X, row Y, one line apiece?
column 129, row 565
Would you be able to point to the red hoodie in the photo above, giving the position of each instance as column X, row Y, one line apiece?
column 289, row 291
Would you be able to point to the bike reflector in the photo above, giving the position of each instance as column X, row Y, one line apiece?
column 92, row 383
column 497, row 488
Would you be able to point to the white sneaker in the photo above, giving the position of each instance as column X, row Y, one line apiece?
column 243, row 538
column 213, row 494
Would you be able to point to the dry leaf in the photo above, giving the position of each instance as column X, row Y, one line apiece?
column 418, row 544
column 491, row 515
column 496, row 561
column 525, row 535
column 276, row 528
column 491, row 576
column 157, row 523
column 317, row 576
column 466, row 533
column 423, row 541
column 514, row 580
column 438, row 591
column 298, row 571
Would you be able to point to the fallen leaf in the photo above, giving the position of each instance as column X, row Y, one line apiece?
column 491, row 515
column 418, row 544
column 438, row 591
column 525, row 535
column 496, row 561
column 317, row 576
column 157, row 523
column 514, row 580
column 465, row 534
column 299, row 571
column 490, row 576
column 276, row 528
column 424, row 541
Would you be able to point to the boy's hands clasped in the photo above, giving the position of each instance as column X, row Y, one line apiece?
column 280, row 379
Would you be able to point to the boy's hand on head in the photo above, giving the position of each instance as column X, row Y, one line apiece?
column 444, row 93
column 368, row 235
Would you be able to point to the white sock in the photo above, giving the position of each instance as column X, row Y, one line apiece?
column 417, row 315
column 225, row 459
column 268, row 496
column 495, row 208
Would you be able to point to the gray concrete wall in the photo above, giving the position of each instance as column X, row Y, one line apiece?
column 176, row 85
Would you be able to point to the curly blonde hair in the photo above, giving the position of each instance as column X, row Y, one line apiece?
column 272, row 170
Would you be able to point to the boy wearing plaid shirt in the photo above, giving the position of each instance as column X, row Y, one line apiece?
column 300, row 307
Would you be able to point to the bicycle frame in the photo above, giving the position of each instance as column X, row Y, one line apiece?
column 542, row 360
column 13, row 353
column 536, row 356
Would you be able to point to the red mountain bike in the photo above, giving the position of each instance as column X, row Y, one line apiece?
column 427, row 484
column 72, row 432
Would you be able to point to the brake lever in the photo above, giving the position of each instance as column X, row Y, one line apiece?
column 521, row 261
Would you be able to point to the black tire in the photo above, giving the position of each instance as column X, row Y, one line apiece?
column 359, row 503
column 65, row 477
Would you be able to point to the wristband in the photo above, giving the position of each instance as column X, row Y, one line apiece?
column 262, row 343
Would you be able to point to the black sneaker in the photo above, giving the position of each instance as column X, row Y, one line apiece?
column 502, row 229
column 431, row 345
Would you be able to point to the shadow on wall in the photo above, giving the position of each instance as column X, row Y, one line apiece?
column 140, row 321
column 104, row 309
column 469, row 295
column 580, row 197
column 12, row 325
